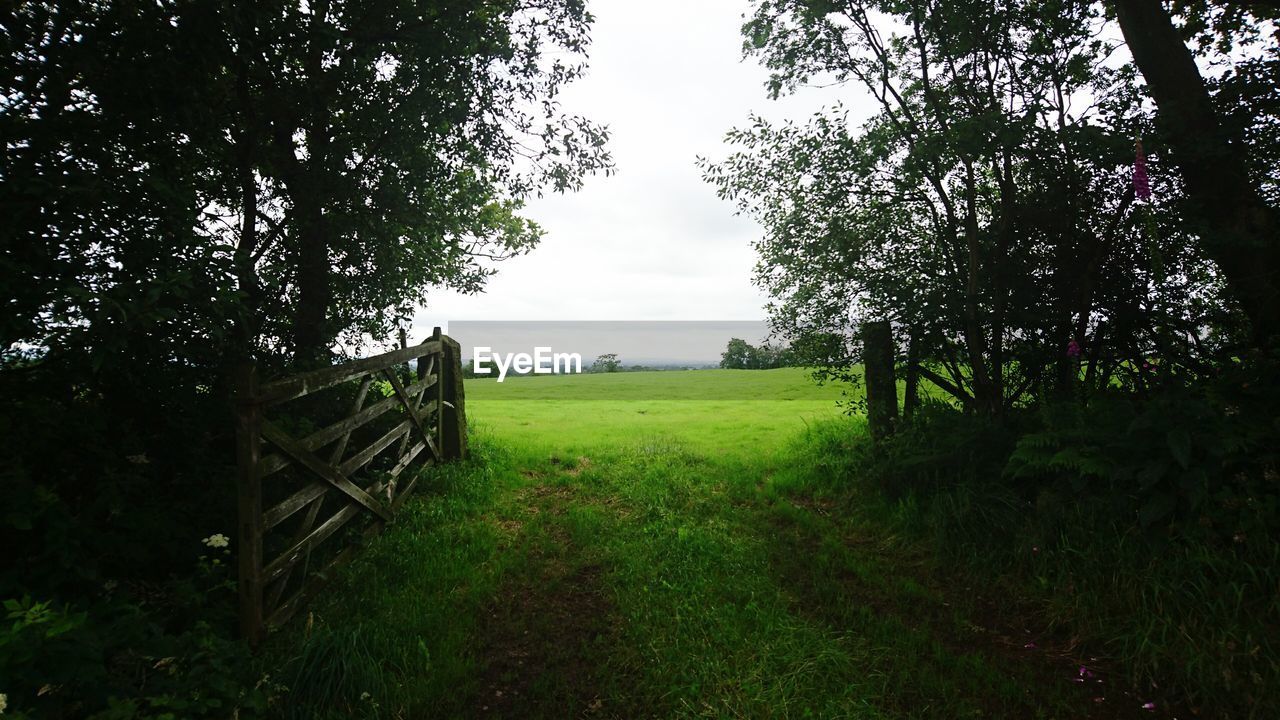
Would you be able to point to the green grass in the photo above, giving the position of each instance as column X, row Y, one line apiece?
column 645, row 557
column 740, row 413
column 793, row 384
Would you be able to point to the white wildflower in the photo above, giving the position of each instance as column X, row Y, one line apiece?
column 4, row 702
column 217, row 541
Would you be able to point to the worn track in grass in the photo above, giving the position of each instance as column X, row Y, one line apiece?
column 661, row 574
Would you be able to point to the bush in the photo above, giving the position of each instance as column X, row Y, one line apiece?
column 1146, row 527
column 112, row 607
column 1196, row 462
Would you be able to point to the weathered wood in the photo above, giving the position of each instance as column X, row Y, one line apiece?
column 435, row 418
column 357, row 405
column 303, row 530
column 362, row 458
column 314, row 497
column 882, row 387
column 412, row 413
column 453, row 413
column 249, row 502
column 318, row 439
column 327, row 472
column 403, row 495
column 439, row 394
column 286, row 559
column 426, row 365
column 407, row 458
column 417, row 405
column 285, row 562
column 306, row 383
column 286, row 508
column 285, row 610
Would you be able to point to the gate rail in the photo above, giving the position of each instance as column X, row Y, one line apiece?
column 431, row 402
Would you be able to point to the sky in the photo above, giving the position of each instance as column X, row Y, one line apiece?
column 652, row 242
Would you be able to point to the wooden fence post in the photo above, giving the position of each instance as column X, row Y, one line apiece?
column 882, row 386
column 426, row 360
column 911, row 396
column 453, row 411
column 249, row 503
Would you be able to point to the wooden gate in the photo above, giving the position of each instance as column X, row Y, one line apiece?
column 298, row 478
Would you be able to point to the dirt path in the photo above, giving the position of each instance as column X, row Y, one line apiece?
column 657, row 582
column 548, row 627
column 550, row 644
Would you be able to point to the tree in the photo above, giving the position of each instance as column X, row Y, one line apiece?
column 737, row 356
column 293, row 172
column 741, row 355
column 606, row 363
column 976, row 210
column 186, row 185
column 401, row 146
column 1235, row 223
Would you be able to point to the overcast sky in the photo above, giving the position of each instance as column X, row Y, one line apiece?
column 652, row 242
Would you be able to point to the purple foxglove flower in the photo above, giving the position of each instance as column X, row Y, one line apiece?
column 1141, row 185
column 1073, row 350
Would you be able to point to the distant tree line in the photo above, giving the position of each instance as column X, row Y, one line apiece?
column 741, row 355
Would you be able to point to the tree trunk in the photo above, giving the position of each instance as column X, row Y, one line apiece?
column 1238, row 229
column 312, row 335
column 882, row 387
column 911, row 398
column 984, row 391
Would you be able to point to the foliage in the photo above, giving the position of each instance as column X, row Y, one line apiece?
column 1181, row 608
column 1107, row 444
column 114, row 661
column 1229, row 198
column 335, row 674
column 608, row 363
column 944, row 210
column 304, row 172
column 189, row 185
column 1200, row 461
column 741, row 355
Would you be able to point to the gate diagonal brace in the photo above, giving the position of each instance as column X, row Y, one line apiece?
column 413, row 413
column 327, row 472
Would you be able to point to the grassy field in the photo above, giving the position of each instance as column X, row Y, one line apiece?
column 608, row 554
column 738, row 413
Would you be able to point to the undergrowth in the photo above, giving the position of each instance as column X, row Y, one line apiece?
column 1145, row 530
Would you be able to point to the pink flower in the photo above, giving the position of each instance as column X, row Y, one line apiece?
column 1073, row 350
column 1141, row 185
